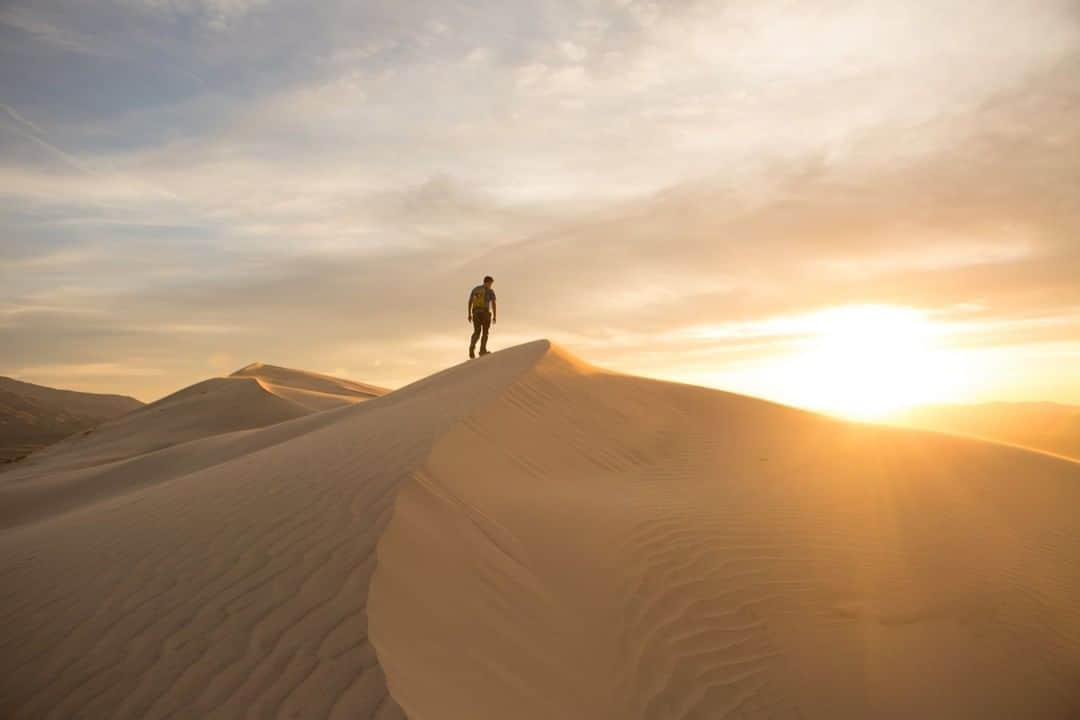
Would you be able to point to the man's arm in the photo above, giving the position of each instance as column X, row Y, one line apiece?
column 494, row 311
column 468, row 307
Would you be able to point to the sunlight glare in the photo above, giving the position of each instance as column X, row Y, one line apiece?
column 866, row 361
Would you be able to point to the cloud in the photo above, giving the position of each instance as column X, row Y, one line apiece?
column 90, row 189
column 29, row 21
column 11, row 312
column 478, row 55
column 80, row 371
column 61, row 259
column 221, row 362
column 318, row 185
column 217, row 14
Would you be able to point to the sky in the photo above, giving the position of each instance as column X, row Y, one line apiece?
column 851, row 206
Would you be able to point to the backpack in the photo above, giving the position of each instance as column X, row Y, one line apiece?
column 478, row 300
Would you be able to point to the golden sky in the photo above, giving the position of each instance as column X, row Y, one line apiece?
column 852, row 206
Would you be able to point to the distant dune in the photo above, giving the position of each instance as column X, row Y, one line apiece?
column 131, row 451
column 528, row 536
column 1049, row 427
column 253, row 397
column 33, row 416
column 311, row 390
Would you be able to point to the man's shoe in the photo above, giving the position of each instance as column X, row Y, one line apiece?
column 485, row 352
column 472, row 354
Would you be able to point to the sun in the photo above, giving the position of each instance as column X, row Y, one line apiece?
column 862, row 362
column 866, row 361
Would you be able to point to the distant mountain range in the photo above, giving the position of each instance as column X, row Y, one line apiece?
column 33, row 416
column 1050, row 427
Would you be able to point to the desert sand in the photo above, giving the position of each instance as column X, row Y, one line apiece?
column 34, row 416
column 130, row 451
column 1048, row 427
column 311, row 390
column 528, row 536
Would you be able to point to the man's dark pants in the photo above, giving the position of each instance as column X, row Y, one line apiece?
column 481, row 320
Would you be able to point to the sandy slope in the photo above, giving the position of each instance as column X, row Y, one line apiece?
column 253, row 397
column 151, row 445
column 74, row 401
column 33, row 416
column 1049, row 427
column 312, row 390
column 234, row 590
column 564, row 543
column 597, row 546
column 211, row 407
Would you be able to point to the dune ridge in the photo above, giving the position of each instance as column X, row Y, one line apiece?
column 314, row 391
column 526, row 535
column 255, row 396
column 210, row 407
column 625, row 548
column 76, row 401
column 234, row 590
column 1047, row 427
column 34, row 416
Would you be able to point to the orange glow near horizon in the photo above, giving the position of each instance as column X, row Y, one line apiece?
column 867, row 361
column 862, row 362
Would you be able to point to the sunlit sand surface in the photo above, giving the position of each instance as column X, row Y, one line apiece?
column 527, row 536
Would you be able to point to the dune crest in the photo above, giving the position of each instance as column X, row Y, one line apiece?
column 314, row 391
column 255, row 396
column 35, row 416
column 210, row 407
column 1048, row 427
column 214, row 418
column 231, row 589
column 527, row 536
column 591, row 545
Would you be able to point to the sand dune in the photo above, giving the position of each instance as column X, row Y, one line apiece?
column 211, row 407
column 197, row 427
column 253, row 397
column 33, row 416
column 35, row 492
column 234, row 590
column 592, row 545
column 526, row 536
column 1049, row 427
column 312, row 390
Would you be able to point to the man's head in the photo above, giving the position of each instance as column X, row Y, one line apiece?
column 488, row 280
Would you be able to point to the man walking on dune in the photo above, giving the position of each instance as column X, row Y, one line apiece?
column 482, row 311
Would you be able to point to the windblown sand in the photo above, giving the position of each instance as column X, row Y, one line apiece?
column 526, row 536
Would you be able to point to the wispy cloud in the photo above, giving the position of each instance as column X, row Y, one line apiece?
column 9, row 311
column 27, row 19
column 317, row 184
column 215, row 13
column 65, row 259
column 34, row 134
column 80, row 371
